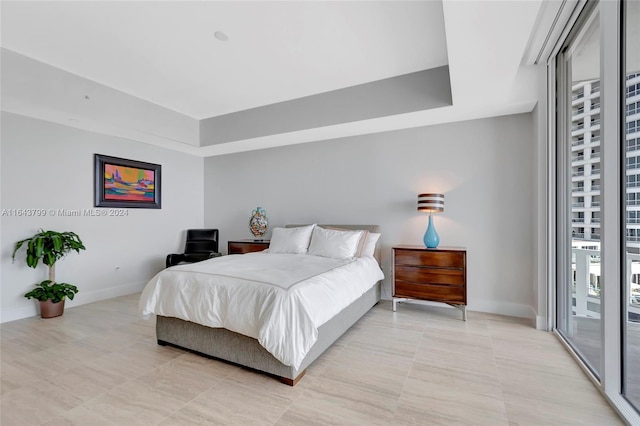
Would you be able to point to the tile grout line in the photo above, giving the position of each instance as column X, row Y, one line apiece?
column 499, row 376
column 95, row 397
column 192, row 399
column 406, row 326
column 294, row 399
column 413, row 360
column 83, row 403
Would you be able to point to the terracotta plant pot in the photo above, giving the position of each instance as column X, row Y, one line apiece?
column 49, row 309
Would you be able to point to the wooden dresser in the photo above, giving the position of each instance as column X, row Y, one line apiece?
column 436, row 275
column 246, row 246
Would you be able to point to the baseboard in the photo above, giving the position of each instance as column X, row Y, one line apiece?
column 501, row 308
column 19, row 312
column 82, row 298
column 385, row 291
column 538, row 321
column 541, row 323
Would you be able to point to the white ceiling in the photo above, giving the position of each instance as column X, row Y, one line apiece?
column 165, row 52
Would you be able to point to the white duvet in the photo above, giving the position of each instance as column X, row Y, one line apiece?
column 278, row 299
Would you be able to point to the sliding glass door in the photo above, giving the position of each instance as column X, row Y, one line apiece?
column 580, row 141
column 631, row 132
column 597, row 122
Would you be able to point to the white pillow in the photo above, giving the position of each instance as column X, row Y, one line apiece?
column 361, row 243
column 334, row 243
column 291, row 240
column 370, row 246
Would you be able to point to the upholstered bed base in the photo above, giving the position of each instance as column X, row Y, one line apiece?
column 246, row 351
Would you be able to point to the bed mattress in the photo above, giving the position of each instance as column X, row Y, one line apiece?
column 278, row 299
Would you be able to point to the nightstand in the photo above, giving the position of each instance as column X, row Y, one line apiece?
column 246, row 246
column 436, row 275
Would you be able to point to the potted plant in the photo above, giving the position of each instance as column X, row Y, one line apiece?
column 49, row 247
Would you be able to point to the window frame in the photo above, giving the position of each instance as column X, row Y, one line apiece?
column 613, row 160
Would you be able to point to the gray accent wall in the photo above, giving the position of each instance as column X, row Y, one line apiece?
column 35, row 89
column 418, row 91
column 484, row 167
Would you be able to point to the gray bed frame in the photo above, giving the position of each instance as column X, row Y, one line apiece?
column 246, row 351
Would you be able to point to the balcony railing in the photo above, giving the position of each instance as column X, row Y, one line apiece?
column 587, row 269
column 586, row 264
column 595, row 187
column 578, row 173
column 578, row 142
column 577, row 96
column 595, row 154
column 578, row 127
column 577, row 205
column 595, row 204
column 595, row 220
column 578, row 189
column 577, row 220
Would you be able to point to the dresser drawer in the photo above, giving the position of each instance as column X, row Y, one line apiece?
column 440, row 259
column 420, row 275
column 441, row 293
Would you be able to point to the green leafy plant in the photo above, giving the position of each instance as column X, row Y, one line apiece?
column 48, row 290
column 49, row 247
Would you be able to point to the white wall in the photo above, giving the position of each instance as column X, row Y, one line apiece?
column 50, row 166
column 484, row 168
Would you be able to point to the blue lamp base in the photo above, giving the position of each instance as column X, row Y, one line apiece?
column 431, row 238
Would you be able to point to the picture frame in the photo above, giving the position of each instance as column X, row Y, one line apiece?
column 124, row 183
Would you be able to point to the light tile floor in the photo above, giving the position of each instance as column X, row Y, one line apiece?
column 99, row 365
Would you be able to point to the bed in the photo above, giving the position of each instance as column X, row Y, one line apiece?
column 240, row 342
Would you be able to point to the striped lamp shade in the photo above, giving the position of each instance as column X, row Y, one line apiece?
column 432, row 203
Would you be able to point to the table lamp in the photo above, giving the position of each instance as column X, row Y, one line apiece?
column 432, row 203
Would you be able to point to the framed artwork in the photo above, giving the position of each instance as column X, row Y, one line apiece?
column 126, row 183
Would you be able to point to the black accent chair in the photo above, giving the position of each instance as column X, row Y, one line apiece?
column 202, row 244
